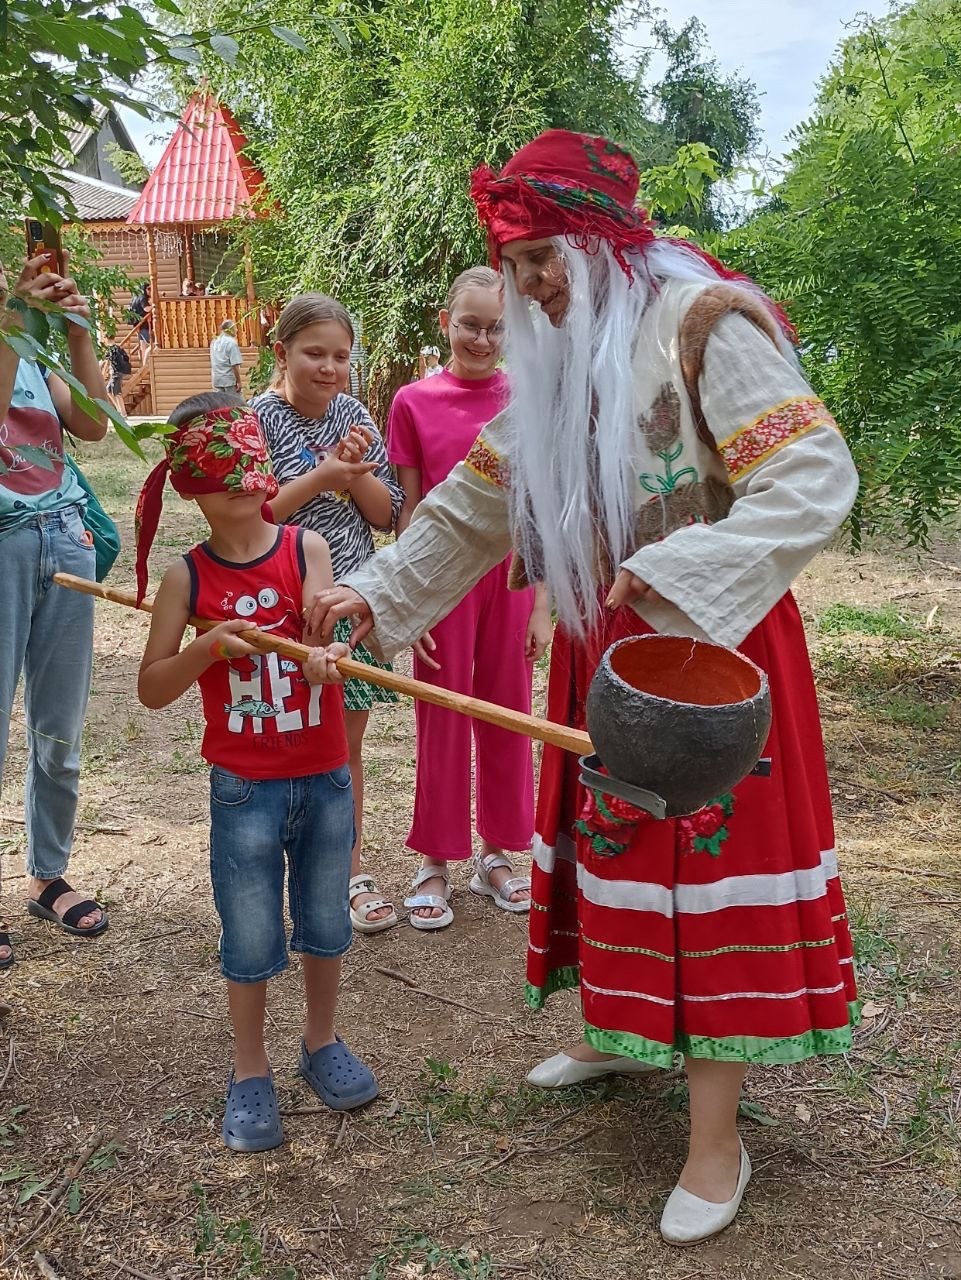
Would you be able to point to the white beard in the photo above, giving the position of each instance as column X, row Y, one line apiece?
column 573, row 490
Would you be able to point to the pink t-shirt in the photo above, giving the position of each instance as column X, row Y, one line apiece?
column 433, row 423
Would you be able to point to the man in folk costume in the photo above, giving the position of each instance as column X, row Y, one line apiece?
column 662, row 465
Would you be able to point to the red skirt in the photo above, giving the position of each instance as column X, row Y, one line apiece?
column 723, row 936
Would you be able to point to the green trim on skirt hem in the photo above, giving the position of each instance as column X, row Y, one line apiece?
column 749, row 1049
column 557, row 980
column 358, row 694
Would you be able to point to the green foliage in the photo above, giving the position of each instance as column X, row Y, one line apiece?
column 61, row 59
column 682, row 186
column 238, row 1248
column 700, row 108
column 418, row 1254
column 128, row 164
column 862, row 239
column 372, row 172
column 837, row 619
column 58, row 61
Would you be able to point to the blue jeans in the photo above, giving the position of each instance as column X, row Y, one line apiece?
column 46, row 632
column 252, row 825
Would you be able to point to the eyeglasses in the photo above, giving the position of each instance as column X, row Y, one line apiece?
column 494, row 333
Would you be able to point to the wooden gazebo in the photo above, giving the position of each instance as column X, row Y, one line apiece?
column 202, row 181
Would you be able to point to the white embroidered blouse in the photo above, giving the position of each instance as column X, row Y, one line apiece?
column 792, row 479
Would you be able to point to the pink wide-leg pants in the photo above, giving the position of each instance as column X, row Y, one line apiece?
column 480, row 646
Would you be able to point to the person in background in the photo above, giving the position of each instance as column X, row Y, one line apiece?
column 335, row 479
column 46, row 631
column 487, row 644
column 226, row 359
column 141, row 311
column 187, row 289
column 115, row 366
column 430, row 364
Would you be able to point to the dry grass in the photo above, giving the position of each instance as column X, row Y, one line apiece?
column 114, row 1054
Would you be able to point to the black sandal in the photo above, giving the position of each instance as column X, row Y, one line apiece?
column 42, row 907
column 5, row 961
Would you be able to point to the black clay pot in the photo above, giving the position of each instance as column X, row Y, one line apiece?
column 682, row 718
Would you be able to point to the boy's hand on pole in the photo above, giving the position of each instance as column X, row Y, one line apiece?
column 223, row 641
column 321, row 666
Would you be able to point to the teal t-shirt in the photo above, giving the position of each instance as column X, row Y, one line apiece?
column 26, row 487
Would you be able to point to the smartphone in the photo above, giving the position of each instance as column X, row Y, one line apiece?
column 43, row 240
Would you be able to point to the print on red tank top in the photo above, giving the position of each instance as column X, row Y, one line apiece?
column 263, row 719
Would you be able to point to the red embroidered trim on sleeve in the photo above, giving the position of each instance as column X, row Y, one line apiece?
column 484, row 462
column 768, row 433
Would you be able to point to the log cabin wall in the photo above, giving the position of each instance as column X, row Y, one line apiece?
column 122, row 246
column 175, row 375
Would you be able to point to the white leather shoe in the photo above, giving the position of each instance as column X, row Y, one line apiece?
column 562, row 1069
column 688, row 1219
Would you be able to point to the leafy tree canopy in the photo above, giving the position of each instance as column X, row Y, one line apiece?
column 368, row 140
column 59, row 61
column 863, row 239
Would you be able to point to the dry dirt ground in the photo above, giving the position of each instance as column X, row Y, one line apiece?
column 113, row 1054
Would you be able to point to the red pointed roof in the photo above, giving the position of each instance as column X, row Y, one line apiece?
column 203, row 175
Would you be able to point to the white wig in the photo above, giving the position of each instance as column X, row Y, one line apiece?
column 572, row 418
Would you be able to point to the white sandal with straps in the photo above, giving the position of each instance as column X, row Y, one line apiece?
column 480, row 883
column 360, row 916
column 433, row 900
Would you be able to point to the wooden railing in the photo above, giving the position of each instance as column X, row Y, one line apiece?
column 190, row 323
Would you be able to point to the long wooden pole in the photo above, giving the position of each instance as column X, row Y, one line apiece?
column 516, row 721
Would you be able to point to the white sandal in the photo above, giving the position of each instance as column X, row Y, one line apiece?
column 480, row 883
column 360, row 916
column 433, row 900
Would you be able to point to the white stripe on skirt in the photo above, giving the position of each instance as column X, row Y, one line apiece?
column 545, row 855
column 777, row 889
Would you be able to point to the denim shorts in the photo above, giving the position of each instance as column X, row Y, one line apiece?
column 252, row 825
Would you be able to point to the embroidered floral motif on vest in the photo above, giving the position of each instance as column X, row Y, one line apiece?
column 679, row 496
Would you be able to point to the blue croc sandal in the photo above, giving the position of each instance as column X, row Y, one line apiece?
column 251, row 1119
column 337, row 1077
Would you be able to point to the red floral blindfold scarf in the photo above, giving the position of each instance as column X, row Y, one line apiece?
column 222, row 451
column 564, row 184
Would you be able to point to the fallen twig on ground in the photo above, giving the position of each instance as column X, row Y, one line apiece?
column 44, row 1267
column 10, row 1055
column 908, row 871
column 526, row 1150
column 138, row 1275
column 92, row 827
column 73, row 1172
column 344, row 1122
column 431, row 995
column 168, row 933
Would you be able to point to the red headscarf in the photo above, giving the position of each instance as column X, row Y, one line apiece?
column 221, row 451
column 564, row 184
column 584, row 188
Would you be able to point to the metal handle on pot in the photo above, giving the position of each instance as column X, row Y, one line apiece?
column 637, row 796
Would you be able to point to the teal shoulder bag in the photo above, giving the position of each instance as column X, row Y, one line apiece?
column 105, row 534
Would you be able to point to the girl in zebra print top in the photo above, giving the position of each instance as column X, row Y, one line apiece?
column 330, row 461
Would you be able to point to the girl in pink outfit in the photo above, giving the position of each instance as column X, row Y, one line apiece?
column 486, row 647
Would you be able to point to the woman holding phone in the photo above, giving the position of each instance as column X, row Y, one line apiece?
column 46, row 632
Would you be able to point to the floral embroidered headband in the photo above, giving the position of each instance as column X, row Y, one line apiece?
column 564, row 184
column 221, row 451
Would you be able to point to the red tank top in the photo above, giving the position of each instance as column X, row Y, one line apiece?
column 263, row 720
